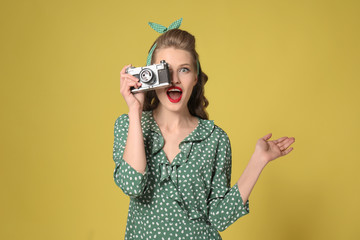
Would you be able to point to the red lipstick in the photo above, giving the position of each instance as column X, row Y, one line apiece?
column 174, row 94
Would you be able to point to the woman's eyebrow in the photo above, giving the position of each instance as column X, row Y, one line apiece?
column 181, row 65
column 185, row 64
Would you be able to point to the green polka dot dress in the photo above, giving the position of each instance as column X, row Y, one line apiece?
column 191, row 197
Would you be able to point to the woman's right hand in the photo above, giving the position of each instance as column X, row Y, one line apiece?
column 134, row 101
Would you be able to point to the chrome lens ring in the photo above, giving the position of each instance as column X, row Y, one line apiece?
column 146, row 75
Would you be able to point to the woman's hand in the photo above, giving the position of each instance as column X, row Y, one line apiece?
column 267, row 151
column 134, row 101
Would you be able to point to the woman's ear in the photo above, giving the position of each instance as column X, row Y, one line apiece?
column 196, row 79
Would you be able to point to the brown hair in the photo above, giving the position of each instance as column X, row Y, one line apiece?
column 183, row 40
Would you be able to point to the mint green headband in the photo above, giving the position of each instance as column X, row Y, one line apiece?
column 161, row 29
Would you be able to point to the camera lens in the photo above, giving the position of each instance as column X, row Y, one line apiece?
column 146, row 75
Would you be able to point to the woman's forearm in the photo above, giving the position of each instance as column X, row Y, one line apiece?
column 249, row 177
column 134, row 153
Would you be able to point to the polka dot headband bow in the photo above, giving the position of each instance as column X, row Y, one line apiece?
column 161, row 29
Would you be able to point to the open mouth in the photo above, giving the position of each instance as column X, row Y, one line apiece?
column 174, row 94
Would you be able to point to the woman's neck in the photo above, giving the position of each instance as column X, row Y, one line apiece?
column 173, row 120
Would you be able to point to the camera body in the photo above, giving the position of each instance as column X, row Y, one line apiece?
column 151, row 77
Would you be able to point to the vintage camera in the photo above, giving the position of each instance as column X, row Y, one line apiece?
column 151, row 77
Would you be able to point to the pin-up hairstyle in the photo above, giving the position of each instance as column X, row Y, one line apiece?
column 180, row 39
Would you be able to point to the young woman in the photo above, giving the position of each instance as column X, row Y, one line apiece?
column 172, row 161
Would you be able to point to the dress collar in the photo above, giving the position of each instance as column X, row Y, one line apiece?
column 201, row 132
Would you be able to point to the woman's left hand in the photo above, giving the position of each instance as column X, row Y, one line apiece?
column 267, row 150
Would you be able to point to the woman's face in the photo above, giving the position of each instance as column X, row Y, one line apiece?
column 183, row 77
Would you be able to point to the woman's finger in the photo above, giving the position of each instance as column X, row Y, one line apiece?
column 123, row 70
column 124, row 75
column 128, row 83
column 280, row 140
column 131, row 82
column 287, row 151
column 267, row 137
column 129, row 76
column 285, row 144
column 125, row 81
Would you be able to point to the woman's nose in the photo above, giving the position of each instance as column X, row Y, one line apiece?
column 175, row 78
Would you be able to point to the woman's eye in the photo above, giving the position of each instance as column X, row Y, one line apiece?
column 184, row 70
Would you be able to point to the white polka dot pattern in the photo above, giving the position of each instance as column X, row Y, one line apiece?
column 191, row 197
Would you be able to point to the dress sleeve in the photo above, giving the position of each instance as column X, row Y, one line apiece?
column 225, row 204
column 126, row 177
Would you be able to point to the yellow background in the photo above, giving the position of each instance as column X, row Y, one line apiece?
column 286, row 67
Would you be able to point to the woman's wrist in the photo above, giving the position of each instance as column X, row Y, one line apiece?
column 135, row 113
column 258, row 162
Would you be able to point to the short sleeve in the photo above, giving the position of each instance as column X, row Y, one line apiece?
column 225, row 204
column 126, row 177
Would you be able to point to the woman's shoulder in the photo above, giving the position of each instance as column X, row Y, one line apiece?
column 214, row 131
column 146, row 120
column 122, row 120
column 219, row 130
column 125, row 117
column 222, row 134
